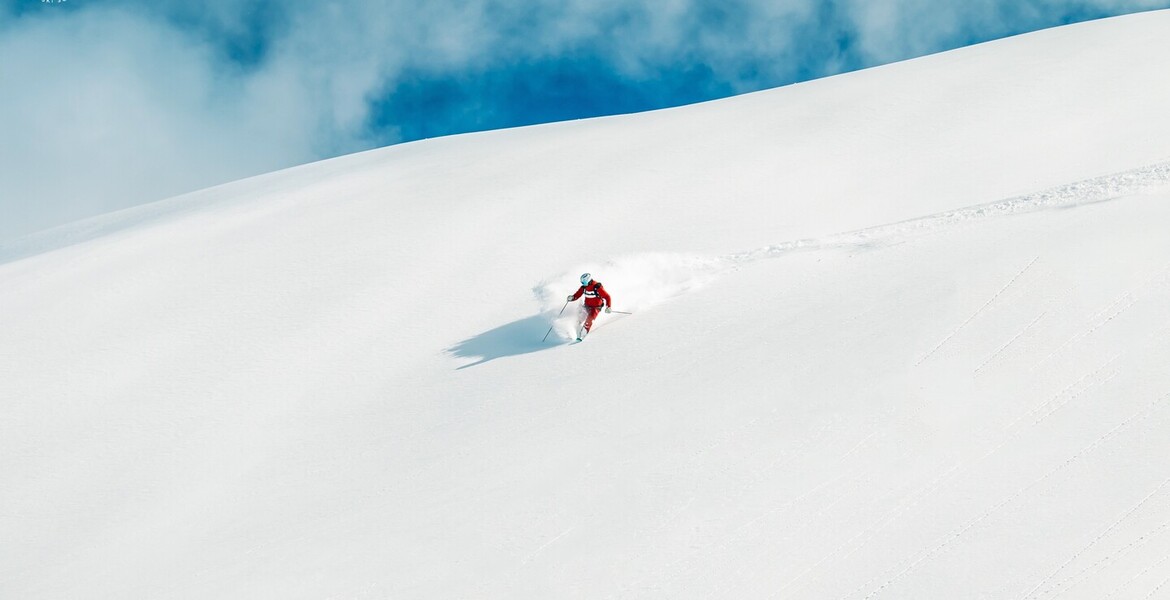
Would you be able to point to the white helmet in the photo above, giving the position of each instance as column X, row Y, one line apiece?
column 586, row 278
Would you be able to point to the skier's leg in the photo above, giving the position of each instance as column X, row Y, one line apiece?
column 590, row 314
column 582, row 319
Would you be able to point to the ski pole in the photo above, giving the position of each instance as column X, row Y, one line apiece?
column 622, row 312
column 550, row 326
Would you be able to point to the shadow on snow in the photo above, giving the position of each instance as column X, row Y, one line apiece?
column 515, row 338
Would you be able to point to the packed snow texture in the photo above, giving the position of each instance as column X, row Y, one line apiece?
column 901, row 333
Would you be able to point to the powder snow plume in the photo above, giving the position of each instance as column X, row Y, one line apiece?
column 635, row 282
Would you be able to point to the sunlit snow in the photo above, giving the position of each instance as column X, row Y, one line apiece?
column 901, row 333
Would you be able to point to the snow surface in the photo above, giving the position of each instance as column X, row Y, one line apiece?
column 901, row 333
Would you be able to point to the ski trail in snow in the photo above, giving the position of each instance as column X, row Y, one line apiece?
column 954, row 535
column 1011, row 433
column 642, row 281
column 1106, row 315
column 1124, row 303
column 1076, row 385
column 1096, row 567
column 1001, row 349
column 1157, row 587
column 534, row 553
column 1129, row 581
column 647, row 279
column 976, row 313
column 1080, row 193
column 1100, row 536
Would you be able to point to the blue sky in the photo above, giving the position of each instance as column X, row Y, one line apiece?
column 110, row 103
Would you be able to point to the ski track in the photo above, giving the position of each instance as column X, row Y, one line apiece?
column 1085, row 192
column 996, row 354
column 977, row 312
column 808, row 522
column 736, row 536
column 1157, row 587
column 534, row 553
column 1080, row 393
column 1126, row 300
column 868, row 533
column 1143, row 572
column 943, row 479
column 1100, row 565
column 1114, row 309
column 1075, row 555
column 1040, row 407
column 783, row 458
column 1087, row 572
column 1080, row 193
column 951, row 537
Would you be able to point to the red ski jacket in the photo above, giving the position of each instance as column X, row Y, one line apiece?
column 595, row 295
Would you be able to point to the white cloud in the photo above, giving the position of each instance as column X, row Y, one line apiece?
column 893, row 30
column 106, row 110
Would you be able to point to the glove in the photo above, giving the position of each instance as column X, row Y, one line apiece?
column 569, row 298
column 607, row 309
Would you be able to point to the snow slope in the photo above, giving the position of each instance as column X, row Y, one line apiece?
column 900, row 333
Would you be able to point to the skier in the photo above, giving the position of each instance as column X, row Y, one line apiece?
column 596, row 298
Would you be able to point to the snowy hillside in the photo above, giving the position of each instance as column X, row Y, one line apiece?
column 901, row 333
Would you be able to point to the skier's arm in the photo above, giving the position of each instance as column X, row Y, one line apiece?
column 580, row 290
column 604, row 296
